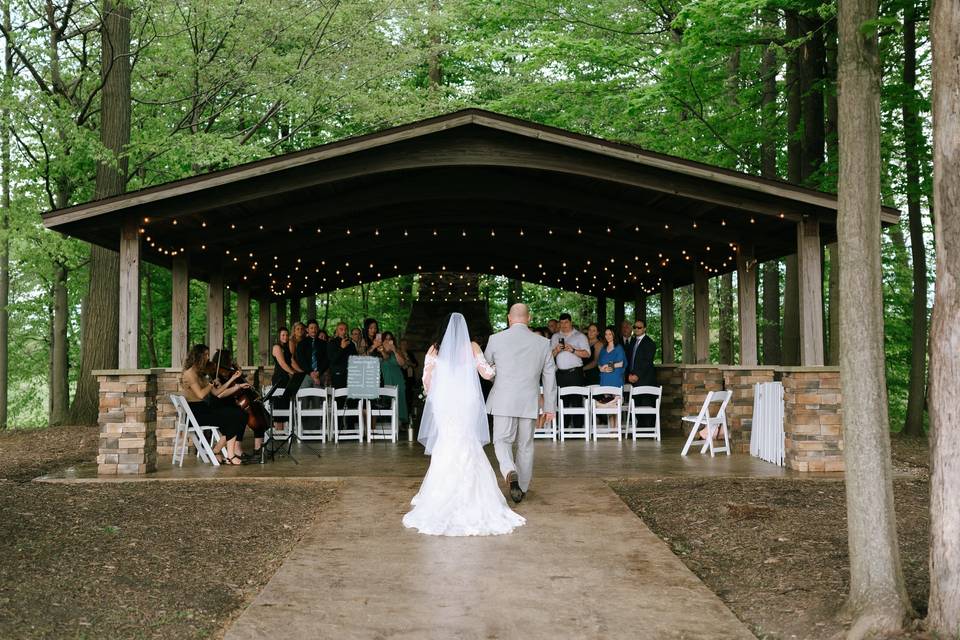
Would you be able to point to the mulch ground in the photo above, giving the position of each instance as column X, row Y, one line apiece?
column 28, row 453
column 165, row 560
column 775, row 550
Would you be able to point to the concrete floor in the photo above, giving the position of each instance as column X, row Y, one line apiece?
column 584, row 566
column 570, row 459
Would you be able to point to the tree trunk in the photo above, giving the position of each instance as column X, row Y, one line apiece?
column 326, row 308
column 101, row 309
column 59, row 366
column 812, row 62
column 877, row 601
column 790, row 351
column 943, row 616
column 794, row 103
column 5, row 219
column 771, row 313
column 833, row 308
column 688, row 348
column 726, row 319
column 768, row 102
column 151, row 325
column 913, row 425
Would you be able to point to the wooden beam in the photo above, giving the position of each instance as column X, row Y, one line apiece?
column 747, row 304
column 264, row 343
column 282, row 315
column 180, row 312
column 810, row 275
column 295, row 315
column 311, row 311
column 667, row 327
column 701, row 315
column 602, row 310
column 243, row 326
column 619, row 315
column 129, row 294
column 215, row 312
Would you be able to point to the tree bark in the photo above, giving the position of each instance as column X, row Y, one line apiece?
column 913, row 424
column 771, row 313
column 688, row 348
column 812, row 63
column 59, row 362
column 833, row 308
column 726, row 319
column 5, row 122
column 877, row 601
column 790, row 350
column 794, row 102
column 151, row 333
column 943, row 615
column 101, row 309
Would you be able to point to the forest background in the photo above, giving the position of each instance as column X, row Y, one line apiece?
column 744, row 84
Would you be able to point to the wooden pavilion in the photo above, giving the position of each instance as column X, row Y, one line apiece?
column 471, row 191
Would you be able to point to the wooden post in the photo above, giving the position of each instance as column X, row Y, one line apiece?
column 810, row 275
column 129, row 353
column 180, row 311
column 747, row 304
column 667, row 327
column 701, row 315
column 311, row 312
column 282, row 315
column 243, row 326
column 640, row 307
column 619, row 314
column 215, row 312
column 602, row 310
column 264, row 334
column 295, row 311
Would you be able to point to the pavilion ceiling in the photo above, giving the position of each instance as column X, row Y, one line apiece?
column 463, row 198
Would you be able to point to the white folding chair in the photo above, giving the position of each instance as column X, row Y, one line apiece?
column 341, row 431
column 311, row 404
column 187, row 426
column 378, row 431
column 549, row 429
column 565, row 412
column 289, row 413
column 712, row 423
column 636, row 409
column 610, row 409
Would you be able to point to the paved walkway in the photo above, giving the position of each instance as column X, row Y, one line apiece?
column 584, row 566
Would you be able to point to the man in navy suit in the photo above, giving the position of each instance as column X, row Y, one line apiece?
column 640, row 371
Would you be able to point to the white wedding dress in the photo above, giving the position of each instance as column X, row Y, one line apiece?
column 459, row 495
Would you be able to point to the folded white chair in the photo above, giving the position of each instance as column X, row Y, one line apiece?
column 378, row 431
column 636, row 409
column 341, row 431
column 712, row 423
column 187, row 426
column 549, row 429
column 611, row 409
column 312, row 403
column 565, row 412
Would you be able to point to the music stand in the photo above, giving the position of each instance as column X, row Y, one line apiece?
column 290, row 395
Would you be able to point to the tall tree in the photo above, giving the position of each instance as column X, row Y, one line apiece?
column 912, row 139
column 5, row 202
column 877, row 601
column 101, row 310
column 943, row 614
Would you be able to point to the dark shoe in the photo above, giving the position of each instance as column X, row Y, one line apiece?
column 515, row 493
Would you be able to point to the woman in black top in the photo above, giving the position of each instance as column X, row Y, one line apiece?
column 282, row 370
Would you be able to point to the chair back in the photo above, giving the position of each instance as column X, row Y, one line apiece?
column 636, row 392
column 598, row 390
column 723, row 397
column 583, row 392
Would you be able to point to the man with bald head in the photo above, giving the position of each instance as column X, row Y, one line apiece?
column 524, row 362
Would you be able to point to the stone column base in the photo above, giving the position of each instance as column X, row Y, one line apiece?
column 128, row 422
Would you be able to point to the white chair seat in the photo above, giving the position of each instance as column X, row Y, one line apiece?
column 341, row 429
column 376, row 431
column 565, row 412
column 312, row 403
column 636, row 409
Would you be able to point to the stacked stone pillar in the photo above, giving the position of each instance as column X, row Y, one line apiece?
column 740, row 382
column 812, row 418
column 697, row 381
column 670, row 379
column 128, row 422
column 168, row 382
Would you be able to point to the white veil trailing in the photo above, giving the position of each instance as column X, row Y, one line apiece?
column 455, row 402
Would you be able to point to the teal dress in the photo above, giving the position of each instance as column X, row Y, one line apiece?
column 392, row 375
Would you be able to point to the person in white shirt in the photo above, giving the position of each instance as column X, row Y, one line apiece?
column 570, row 348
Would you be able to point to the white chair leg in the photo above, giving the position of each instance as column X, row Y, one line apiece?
column 691, row 437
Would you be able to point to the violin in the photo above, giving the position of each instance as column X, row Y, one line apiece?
column 258, row 419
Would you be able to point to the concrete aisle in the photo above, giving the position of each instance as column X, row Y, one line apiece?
column 583, row 567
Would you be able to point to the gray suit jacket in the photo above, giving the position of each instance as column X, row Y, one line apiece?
column 523, row 362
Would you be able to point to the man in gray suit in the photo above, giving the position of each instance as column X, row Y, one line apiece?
column 524, row 362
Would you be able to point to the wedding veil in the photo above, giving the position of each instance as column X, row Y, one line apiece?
column 455, row 401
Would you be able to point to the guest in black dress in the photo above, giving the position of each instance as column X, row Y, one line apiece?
column 282, row 370
column 211, row 404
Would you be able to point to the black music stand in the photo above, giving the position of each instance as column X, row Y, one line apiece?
column 289, row 394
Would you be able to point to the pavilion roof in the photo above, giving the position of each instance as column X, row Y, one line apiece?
column 468, row 191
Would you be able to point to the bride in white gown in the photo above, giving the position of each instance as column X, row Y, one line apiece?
column 459, row 495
